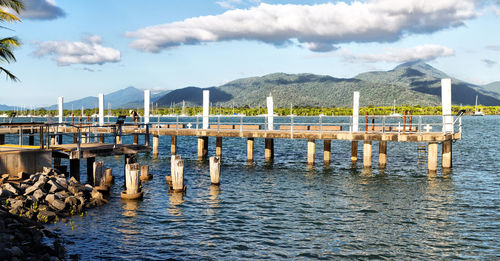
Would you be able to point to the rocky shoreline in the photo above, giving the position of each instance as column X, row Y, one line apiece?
column 26, row 204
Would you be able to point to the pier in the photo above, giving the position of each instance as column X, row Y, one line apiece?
column 381, row 131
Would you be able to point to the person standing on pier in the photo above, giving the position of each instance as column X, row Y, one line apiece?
column 135, row 116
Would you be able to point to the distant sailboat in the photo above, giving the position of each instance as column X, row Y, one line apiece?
column 394, row 110
column 477, row 112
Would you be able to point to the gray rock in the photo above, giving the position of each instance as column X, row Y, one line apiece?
column 30, row 190
column 88, row 188
column 15, row 203
column 73, row 181
column 11, row 188
column 46, row 216
column 48, row 171
column 16, row 251
column 62, row 195
column 50, row 198
column 72, row 201
column 73, row 189
column 38, row 194
column 58, row 204
column 42, row 179
column 96, row 194
column 62, row 182
column 54, row 186
column 5, row 193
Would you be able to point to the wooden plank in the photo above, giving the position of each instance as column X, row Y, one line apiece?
column 222, row 127
column 295, row 127
column 325, row 128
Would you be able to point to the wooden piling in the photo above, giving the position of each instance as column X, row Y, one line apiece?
column 118, row 140
column 109, row 177
column 99, row 176
column 101, row 138
column 367, row 154
column 74, row 168
column 135, row 138
column 52, row 140
column 173, row 160
column 173, row 145
column 2, row 139
column 250, row 145
column 59, row 139
column 75, row 137
column 218, row 147
column 132, row 182
column 432, row 155
column 269, row 150
column 178, row 176
column 446, row 155
column 354, row 152
column 311, row 150
column 202, row 147
column 327, row 151
column 90, row 170
column 382, row 154
column 84, row 137
column 156, row 145
column 215, row 170
column 31, row 139
column 145, row 173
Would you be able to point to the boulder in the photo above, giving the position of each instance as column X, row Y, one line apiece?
column 54, row 186
column 72, row 201
column 96, row 194
column 50, row 198
column 58, row 204
column 62, row 182
column 11, row 188
column 5, row 193
column 38, row 194
column 46, row 216
column 74, row 189
column 73, row 181
column 16, row 251
column 30, row 190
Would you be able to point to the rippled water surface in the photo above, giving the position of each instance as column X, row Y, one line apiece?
column 288, row 211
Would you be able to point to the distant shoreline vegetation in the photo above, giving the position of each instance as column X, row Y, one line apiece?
column 247, row 111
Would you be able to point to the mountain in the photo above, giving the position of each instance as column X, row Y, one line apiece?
column 116, row 99
column 139, row 102
column 4, row 107
column 413, row 83
column 491, row 89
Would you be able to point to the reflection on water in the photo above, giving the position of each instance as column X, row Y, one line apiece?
column 285, row 210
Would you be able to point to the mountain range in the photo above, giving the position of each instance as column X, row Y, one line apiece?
column 412, row 83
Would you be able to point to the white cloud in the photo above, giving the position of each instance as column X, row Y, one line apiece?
column 229, row 4
column 42, row 10
column 88, row 51
column 489, row 63
column 493, row 47
column 317, row 27
column 418, row 53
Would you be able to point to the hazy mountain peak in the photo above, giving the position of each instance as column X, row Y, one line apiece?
column 422, row 67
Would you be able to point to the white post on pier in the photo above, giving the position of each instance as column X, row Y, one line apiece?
column 147, row 100
column 60, row 101
column 270, row 113
column 101, row 109
column 206, row 103
column 446, row 105
column 355, row 112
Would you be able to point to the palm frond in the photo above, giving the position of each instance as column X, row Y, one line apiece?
column 10, row 42
column 9, row 75
column 16, row 5
column 6, row 16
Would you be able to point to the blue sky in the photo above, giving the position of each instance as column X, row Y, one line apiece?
column 80, row 48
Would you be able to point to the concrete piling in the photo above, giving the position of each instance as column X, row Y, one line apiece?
column 173, row 145
column 250, row 146
column 178, row 176
column 132, row 182
column 354, row 152
column 135, row 139
column 327, row 151
column 218, row 147
column 100, row 182
column 269, row 150
column 432, row 154
column 202, row 147
column 145, row 173
column 215, row 170
column 367, row 154
column 382, row 154
column 156, row 145
column 110, row 179
column 311, row 150
column 446, row 154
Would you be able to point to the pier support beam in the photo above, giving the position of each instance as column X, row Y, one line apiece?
column 327, row 152
column 74, row 168
column 101, row 138
column 118, row 140
column 382, row 154
column 75, row 137
column 84, row 137
column 367, row 154
column 156, row 145
column 250, row 142
column 311, row 149
column 52, row 139
column 2, row 139
column 173, row 145
column 90, row 170
column 202, row 147
column 447, row 154
column 354, row 152
column 432, row 155
column 31, row 139
column 269, row 150
column 59, row 139
column 218, row 147
column 136, row 139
